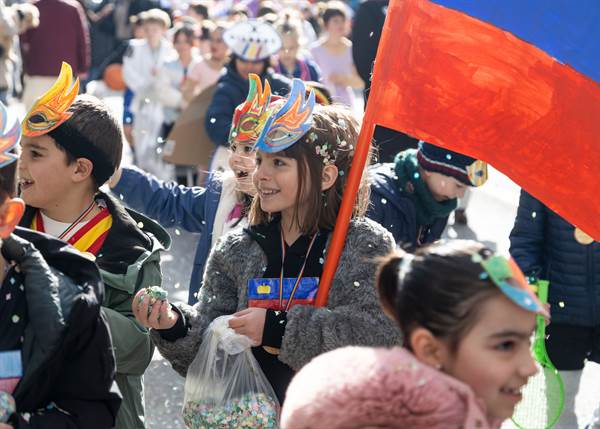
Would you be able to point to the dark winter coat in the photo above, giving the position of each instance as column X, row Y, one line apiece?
column 232, row 90
column 68, row 364
column 396, row 212
column 543, row 244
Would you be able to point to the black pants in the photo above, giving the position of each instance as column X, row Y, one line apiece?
column 568, row 346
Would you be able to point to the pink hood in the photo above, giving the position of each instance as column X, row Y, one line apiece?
column 359, row 387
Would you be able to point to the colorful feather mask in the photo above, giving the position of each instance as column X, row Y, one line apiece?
column 250, row 116
column 287, row 120
column 10, row 135
column 50, row 110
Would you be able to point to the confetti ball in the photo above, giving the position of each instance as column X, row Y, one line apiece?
column 156, row 292
column 7, row 406
column 249, row 411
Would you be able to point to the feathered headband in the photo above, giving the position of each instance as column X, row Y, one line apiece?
column 9, row 137
column 50, row 111
column 287, row 120
column 250, row 116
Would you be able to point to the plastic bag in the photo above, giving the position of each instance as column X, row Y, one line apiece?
column 225, row 386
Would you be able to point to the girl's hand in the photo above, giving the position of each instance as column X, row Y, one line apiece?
column 161, row 316
column 251, row 323
column 5, row 426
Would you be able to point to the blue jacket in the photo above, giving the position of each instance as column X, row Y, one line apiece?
column 394, row 210
column 191, row 208
column 543, row 244
column 232, row 90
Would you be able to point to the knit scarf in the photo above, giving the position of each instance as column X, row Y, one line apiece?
column 410, row 182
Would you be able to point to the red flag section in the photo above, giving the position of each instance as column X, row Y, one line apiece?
column 466, row 85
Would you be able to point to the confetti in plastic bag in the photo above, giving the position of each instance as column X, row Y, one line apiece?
column 225, row 386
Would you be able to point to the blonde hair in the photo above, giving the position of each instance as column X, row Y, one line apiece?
column 155, row 15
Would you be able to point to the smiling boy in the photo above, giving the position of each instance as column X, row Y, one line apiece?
column 56, row 361
column 71, row 146
column 413, row 196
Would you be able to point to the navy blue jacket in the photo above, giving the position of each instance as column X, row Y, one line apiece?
column 395, row 211
column 232, row 90
column 543, row 244
column 191, row 208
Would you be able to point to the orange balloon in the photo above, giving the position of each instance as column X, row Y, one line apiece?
column 113, row 77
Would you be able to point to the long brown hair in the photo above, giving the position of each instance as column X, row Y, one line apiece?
column 336, row 127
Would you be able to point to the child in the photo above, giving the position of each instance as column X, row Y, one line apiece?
column 289, row 63
column 467, row 317
column 299, row 185
column 52, row 329
column 549, row 247
column 205, row 71
column 333, row 54
column 252, row 44
column 414, row 196
column 213, row 210
column 71, row 146
column 142, row 66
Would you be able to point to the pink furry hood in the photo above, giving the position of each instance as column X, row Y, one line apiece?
column 359, row 387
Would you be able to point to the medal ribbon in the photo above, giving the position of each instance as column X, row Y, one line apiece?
column 88, row 238
column 289, row 302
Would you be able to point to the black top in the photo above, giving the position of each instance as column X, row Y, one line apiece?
column 268, row 237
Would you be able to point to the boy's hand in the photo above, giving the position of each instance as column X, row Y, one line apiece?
column 251, row 323
column 161, row 316
column 5, row 426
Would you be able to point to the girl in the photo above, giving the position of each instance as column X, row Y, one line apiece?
column 213, row 210
column 205, row 71
column 302, row 161
column 333, row 54
column 467, row 317
column 289, row 63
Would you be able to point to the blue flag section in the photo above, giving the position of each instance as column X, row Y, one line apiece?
column 565, row 29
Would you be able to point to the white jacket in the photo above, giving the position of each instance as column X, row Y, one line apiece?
column 143, row 68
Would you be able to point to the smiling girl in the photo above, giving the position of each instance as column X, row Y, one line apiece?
column 268, row 274
column 467, row 317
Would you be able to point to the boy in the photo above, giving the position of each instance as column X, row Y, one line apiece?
column 70, row 148
column 548, row 247
column 55, row 350
column 144, row 74
column 413, row 196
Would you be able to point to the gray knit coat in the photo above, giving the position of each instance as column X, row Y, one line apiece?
column 353, row 315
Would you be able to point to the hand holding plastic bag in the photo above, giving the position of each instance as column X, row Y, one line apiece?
column 225, row 386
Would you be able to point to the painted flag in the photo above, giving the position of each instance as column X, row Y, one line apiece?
column 512, row 82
